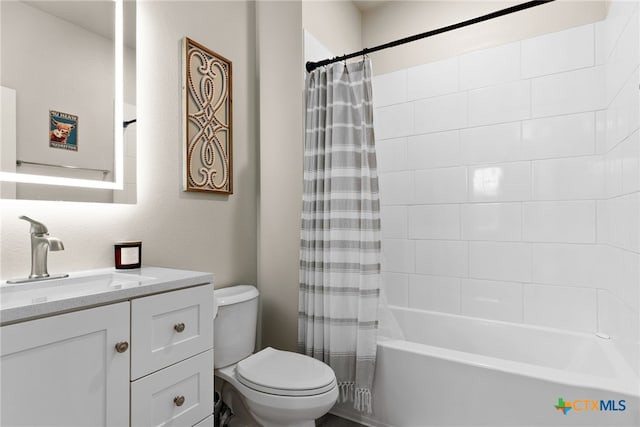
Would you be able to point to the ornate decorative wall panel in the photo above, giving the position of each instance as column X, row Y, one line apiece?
column 208, row 161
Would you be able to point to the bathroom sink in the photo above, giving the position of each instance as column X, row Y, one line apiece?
column 16, row 295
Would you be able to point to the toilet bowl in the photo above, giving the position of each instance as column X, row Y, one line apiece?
column 271, row 387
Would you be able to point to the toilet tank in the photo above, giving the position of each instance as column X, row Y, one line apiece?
column 234, row 327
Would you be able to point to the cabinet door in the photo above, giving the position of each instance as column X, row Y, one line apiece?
column 180, row 395
column 65, row 371
column 170, row 327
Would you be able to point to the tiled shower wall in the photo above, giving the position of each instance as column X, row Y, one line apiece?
column 509, row 181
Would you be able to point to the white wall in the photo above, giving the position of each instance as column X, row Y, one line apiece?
column 495, row 192
column 280, row 29
column 336, row 24
column 183, row 230
column 281, row 94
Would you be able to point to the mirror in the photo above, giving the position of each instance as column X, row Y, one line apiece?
column 68, row 96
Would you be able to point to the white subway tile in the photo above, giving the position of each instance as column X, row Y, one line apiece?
column 442, row 257
column 446, row 185
column 504, row 182
column 434, row 150
column 560, row 136
column 498, row 104
column 560, row 307
column 631, row 163
column 398, row 256
column 440, row 113
column 566, row 93
column 391, row 155
column 556, row 52
column 623, row 60
column 561, row 221
column 629, row 291
column 500, row 261
column 622, row 167
column 568, row 179
column 570, row 264
column 396, row 287
column 618, row 223
column 389, row 89
column 435, row 293
column 393, row 121
column 491, row 300
column 600, row 54
column 393, row 222
column 396, row 188
column 601, row 131
column 489, row 67
column 433, row 79
column 620, row 322
column 434, row 222
column 611, row 269
column 491, row 144
column 605, row 313
column 492, row 221
column 613, row 172
column 623, row 113
column 604, row 222
column 619, row 15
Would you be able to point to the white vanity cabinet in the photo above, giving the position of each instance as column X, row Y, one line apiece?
column 172, row 358
column 143, row 362
column 65, row 371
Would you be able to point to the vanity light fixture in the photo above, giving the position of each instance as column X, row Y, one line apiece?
column 118, row 129
column 118, row 182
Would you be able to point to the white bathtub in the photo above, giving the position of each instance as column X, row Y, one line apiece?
column 455, row 370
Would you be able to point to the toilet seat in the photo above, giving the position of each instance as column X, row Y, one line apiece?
column 285, row 373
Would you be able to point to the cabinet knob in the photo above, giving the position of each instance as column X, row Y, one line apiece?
column 178, row 400
column 121, row 347
column 179, row 327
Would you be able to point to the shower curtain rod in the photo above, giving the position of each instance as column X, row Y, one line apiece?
column 313, row 65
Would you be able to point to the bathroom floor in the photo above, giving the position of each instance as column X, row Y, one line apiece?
column 331, row 420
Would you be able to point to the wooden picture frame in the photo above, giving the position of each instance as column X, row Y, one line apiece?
column 207, row 126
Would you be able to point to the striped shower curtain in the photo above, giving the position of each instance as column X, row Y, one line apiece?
column 340, row 237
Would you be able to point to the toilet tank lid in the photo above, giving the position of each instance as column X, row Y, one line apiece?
column 235, row 294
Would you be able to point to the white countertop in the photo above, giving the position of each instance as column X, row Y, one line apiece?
column 89, row 288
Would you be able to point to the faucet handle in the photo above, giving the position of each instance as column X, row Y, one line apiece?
column 36, row 227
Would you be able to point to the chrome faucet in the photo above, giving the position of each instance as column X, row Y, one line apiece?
column 41, row 244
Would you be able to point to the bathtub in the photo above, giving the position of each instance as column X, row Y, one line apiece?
column 456, row 370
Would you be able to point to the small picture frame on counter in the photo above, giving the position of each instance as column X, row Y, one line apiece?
column 128, row 255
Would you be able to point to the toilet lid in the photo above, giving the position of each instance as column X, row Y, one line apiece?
column 285, row 373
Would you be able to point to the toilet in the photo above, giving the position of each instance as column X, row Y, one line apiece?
column 271, row 387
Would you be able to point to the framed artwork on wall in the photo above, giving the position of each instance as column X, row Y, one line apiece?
column 63, row 130
column 207, row 123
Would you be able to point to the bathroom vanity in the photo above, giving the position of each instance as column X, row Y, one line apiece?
column 108, row 348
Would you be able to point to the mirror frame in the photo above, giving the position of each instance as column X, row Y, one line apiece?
column 118, row 182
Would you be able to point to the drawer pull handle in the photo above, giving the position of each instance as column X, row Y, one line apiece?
column 179, row 327
column 121, row 347
column 179, row 400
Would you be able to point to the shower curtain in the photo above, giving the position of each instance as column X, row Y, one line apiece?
column 340, row 236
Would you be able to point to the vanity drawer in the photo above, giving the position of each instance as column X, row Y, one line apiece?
column 207, row 422
column 180, row 395
column 170, row 327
